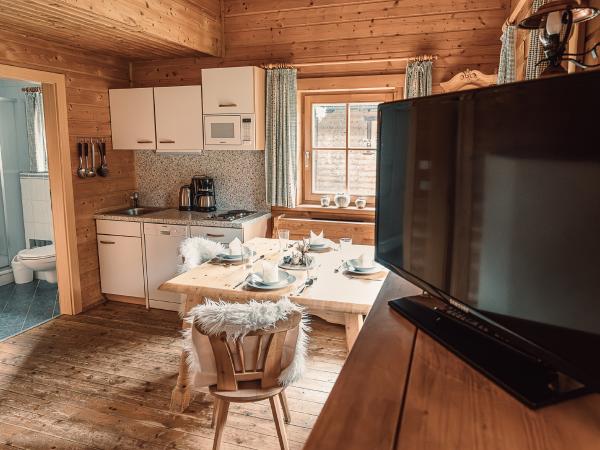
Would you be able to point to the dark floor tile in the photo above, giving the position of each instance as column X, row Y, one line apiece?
column 56, row 307
column 5, row 293
column 42, row 306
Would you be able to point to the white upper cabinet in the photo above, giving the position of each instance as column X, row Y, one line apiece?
column 232, row 90
column 132, row 118
column 178, row 112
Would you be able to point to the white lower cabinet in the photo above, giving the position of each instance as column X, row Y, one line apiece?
column 162, row 262
column 121, row 265
column 217, row 234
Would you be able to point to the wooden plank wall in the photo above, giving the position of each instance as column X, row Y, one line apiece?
column 464, row 33
column 88, row 78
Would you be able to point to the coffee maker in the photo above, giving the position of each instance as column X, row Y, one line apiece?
column 203, row 192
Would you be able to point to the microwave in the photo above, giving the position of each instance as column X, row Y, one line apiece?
column 230, row 132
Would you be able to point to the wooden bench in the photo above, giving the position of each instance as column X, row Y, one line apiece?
column 360, row 232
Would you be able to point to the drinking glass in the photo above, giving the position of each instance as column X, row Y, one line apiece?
column 345, row 247
column 284, row 237
column 247, row 259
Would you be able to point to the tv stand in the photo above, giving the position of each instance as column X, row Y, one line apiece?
column 489, row 351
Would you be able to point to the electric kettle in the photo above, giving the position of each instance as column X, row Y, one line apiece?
column 185, row 198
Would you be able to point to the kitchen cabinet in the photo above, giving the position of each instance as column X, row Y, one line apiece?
column 178, row 113
column 121, row 258
column 132, row 119
column 217, row 234
column 162, row 261
column 165, row 119
column 233, row 90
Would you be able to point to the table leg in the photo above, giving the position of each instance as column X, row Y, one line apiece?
column 181, row 395
column 354, row 323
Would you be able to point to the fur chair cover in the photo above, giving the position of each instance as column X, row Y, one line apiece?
column 237, row 320
column 197, row 250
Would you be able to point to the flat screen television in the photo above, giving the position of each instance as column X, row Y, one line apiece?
column 489, row 200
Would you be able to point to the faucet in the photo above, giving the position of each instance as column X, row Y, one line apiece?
column 135, row 197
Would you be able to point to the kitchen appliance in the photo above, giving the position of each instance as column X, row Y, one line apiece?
column 185, row 198
column 203, row 191
column 230, row 131
column 495, row 214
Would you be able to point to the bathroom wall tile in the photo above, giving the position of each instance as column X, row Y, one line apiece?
column 29, row 232
column 38, row 188
column 26, row 188
column 27, row 211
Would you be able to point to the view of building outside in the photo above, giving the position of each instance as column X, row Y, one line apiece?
column 344, row 141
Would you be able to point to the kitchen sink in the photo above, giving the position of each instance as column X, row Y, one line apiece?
column 136, row 211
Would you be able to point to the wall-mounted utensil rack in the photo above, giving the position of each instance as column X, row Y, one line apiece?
column 86, row 150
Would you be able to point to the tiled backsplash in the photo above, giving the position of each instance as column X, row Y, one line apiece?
column 239, row 177
column 37, row 213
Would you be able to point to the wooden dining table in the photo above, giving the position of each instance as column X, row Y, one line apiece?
column 336, row 296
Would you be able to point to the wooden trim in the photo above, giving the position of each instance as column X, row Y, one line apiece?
column 331, row 213
column 306, row 159
column 59, row 165
column 468, row 79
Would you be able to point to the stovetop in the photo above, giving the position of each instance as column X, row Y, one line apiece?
column 228, row 216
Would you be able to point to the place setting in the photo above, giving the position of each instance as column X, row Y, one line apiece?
column 234, row 254
column 364, row 267
column 269, row 277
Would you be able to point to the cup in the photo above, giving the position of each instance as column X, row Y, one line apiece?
column 284, row 237
column 325, row 200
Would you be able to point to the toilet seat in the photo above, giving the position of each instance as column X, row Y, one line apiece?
column 46, row 253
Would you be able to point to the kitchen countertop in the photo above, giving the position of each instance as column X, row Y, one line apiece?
column 176, row 217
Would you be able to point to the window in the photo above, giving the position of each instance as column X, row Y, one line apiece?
column 340, row 145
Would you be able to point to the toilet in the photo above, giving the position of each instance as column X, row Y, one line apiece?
column 41, row 260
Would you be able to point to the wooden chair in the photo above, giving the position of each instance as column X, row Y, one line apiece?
column 241, row 379
column 360, row 232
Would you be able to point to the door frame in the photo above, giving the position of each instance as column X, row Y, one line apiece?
column 59, row 173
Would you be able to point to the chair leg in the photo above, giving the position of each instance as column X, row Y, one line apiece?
column 286, row 409
column 220, row 425
column 215, row 412
column 279, row 424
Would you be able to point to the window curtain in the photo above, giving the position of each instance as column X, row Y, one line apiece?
column 536, row 51
column 281, row 150
column 36, row 132
column 418, row 79
column 506, row 68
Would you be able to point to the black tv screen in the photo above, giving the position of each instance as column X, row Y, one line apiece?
column 491, row 198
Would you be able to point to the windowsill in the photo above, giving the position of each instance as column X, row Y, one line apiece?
column 366, row 214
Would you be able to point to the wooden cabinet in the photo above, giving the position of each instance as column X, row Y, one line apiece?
column 121, row 258
column 217, row 234
column 132, row 119
column 178, row 112
column 164, row 119
column 233, row 90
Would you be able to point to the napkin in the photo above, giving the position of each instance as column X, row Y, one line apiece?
column 235, row 247
column 270, row 272
column 365, row 260
column 316, row 239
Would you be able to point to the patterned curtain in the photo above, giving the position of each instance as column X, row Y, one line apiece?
column 536, row 51
column 418, row 79
column 281, row 150
column 36, row 132
column 506, row 69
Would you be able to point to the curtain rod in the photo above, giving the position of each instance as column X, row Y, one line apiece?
column 32, row 89
column 358, row 61
column 515, row 13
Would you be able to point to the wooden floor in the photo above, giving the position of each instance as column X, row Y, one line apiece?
column 103, row 379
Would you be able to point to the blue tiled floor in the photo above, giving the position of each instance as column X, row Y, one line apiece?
column 23, row 306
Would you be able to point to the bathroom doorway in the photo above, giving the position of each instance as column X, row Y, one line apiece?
column 28, row 281
column 37, row 214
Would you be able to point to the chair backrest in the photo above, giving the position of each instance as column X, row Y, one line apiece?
column 360, row 232
column 237, row 360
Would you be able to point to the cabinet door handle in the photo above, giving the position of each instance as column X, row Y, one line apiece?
column 214, row 235
column 165, row 232
column 167, row 141
column 227, row 105
column 145, row 141
column 107, row 242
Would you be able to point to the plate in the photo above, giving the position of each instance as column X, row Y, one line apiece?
column 350, row 268
column 285, row 279
column 226, row 257
column 355, row 265
column 318, row 245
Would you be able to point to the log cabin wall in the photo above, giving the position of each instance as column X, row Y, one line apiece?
column 88, row 78
column 463, row 33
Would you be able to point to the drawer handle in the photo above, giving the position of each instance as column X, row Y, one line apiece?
column 166, row 141
column 145, row 141
column 165, row 232
column 227, row 105
column 214, row 235
column 107, row 242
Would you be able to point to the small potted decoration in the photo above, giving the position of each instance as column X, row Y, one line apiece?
column 360, row 202
column 298, row 255
column 325, row 200
column 342, row 200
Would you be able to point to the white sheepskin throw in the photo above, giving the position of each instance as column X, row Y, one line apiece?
column 236, row 320
column 197, row 250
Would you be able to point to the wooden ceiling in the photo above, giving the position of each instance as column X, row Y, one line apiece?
column 136, row 29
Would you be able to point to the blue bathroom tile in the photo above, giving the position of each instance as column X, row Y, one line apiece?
column 42, row 305
column 56, row 307
column 5, row 292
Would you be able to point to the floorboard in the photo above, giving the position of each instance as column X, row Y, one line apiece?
column 103, row 379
